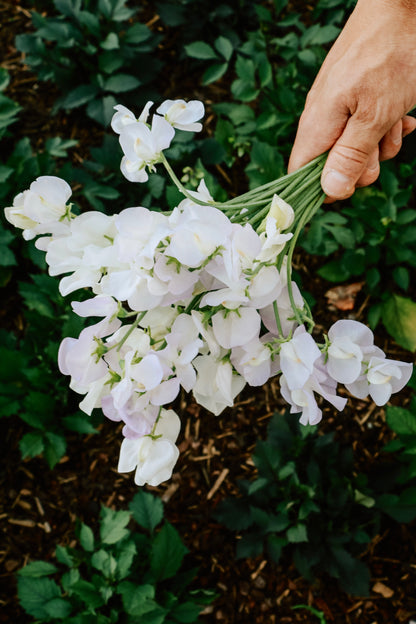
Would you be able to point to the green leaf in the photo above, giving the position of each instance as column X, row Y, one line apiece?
column 125, row 557
column 200, row 50
column 244, row 90
column 121, row 83
column 235, row 514
column 187, row 612
column 55, row 447
column 250, row 545
column 4, row 78
column 101, row 110
column 213, row 73
column 275, row 545
column 37, row 569
column 63, row 556
column 36, row 300
column 35, row 593
column 147, row 510
column 137, row 599
column 224, row 47
column 401, row 420
column 399, row 318
column 86, row 537
column 79, row 423
column 138, row 33
column 58, row 147
column 167, row 553
column 31, row 444
column 113, row 523
column 111, row 42
column 401, row 276
column 104, row 562
column 78, row 96
column 334, row 271
column 58, row 608
column 88, row 593
column 297, row 534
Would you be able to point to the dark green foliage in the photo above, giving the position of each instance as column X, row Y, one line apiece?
column 116, row 575
column 306, row 499
column 395, row 480
column 9, row 109
column 91, row 50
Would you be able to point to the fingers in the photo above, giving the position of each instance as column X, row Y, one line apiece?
column 391, row 143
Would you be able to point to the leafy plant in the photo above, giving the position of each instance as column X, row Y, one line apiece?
column 90, row 49
column 116, row 574
column 307, row 499
column 395, row 480
column 374, row 238
column 9, row 109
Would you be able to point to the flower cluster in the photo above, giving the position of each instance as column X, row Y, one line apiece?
column 200, row 298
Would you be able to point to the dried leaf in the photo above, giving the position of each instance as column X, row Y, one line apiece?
column 343, row 297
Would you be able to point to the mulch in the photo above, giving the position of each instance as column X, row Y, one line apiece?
column 39, row 507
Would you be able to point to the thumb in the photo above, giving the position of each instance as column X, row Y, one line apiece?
column 348, row 158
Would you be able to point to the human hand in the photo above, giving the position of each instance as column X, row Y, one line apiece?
column 356, row 108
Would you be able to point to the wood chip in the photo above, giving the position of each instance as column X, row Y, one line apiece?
column 217, row 483
column 39, row 506
column 380, row 588
column 255, row 574
column 25, row 523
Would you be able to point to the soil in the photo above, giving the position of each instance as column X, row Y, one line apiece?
column 38, row 507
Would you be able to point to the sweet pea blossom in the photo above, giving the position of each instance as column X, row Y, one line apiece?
column 216, row 385
column 152, row 456
column 349, row 341
column 302, row 399
column 200, row 297
column 142, row 146
column 183, row 115
column 298, row 357
column 40, row 209
column 380, row 378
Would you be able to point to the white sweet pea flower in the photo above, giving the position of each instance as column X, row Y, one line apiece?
column 303, row 399
column 183, row 345
column 198, row 232
column 78, row 356
column 139, row 232
column 253, row 362
column 281, row 212
column 101, row 305
column 142, row 146
column 234, row 328
column 380, row 378
column 216, row 386
column 124, row 117
column 40, row 209
column 152, row 457
column 349, row 341
column 183, row 115
column 297, row 358
column 272, row 241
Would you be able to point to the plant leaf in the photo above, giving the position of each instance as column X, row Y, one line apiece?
column 399, row 318
column 147, row 510
column 167, row 553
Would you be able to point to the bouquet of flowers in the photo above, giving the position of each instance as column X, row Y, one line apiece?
column 200, row 297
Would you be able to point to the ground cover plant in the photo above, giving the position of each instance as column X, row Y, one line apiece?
column 246, row 142
column 119, row 575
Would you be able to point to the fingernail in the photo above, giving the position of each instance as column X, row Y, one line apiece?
column 396, row 134
column 336, row 184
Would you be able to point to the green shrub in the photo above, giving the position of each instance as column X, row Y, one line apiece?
column 307, row 499
column 116, row 575
column 93, row 52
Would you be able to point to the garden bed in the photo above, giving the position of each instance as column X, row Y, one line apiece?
column 39, row 506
